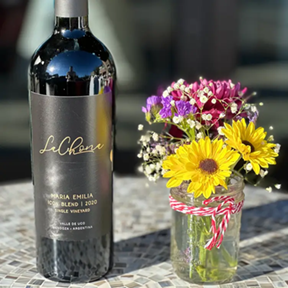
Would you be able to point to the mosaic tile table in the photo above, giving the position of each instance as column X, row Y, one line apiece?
column 142, row 220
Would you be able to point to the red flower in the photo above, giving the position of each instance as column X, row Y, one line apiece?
column 175, row 132
column 221, row 99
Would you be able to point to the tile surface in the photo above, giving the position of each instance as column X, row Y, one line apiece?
column 142, row 221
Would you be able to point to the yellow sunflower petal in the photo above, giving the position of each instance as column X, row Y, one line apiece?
column 256, row 167
column 173, row 182
column 205, row 163
column 250, row 143
column 169, row 174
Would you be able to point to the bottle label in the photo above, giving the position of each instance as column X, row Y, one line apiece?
column 72, row 165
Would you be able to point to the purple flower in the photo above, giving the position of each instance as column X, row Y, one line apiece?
column 166, row 112
column 151, row 101
column 184, row 108
column 253, row 116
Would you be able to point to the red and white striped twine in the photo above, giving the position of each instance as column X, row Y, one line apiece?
column 218, row 234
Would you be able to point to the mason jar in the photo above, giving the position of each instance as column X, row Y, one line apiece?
column 190, row 233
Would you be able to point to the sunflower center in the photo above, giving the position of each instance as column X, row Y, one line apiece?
column 208, row 165
column 249, row 144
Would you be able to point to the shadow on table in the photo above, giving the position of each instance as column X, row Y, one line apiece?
column 154, row 248
column 263, row 219
column 270, row 253
column 264, row 258
column 141, row 252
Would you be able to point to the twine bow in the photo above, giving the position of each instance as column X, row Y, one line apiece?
column 218, row 233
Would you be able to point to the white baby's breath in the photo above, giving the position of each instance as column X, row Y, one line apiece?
column 154, row 152
column 208, row 117
column 253, row 108
column 278, row 186
column 140, row 169
column 144, row 138
column 220, row 132
column 177, row 119
column 181, row 81
column 200, row 93
column 155, row 137
column 163, row 151
column 213, row 101
column 158, row 148
column 263, row 173
column 222, row 115
column 271, row 138
column 277, row 148
column 151, row 178
column 234, row 108
column 165, row 94
column 152, row 166
column 146, row 157
column 198, row 125
column 269, row 189
column 148, row 170
column 206, row 90
column 163, row 171
column 140, row 127
column 172, row 103
column 182, row 87
column 158, row 166
column 176, row 86
column 187, row 90
column 192, row 101
column 248, row 167
column 200, row 135
column 191, row 123
column 203, row 99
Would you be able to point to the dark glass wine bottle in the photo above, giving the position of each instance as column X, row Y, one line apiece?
column 72, row 106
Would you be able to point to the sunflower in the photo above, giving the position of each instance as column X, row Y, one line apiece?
column 251, row 144
column 206, row 164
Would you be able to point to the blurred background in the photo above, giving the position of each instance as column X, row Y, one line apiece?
column 153, row 43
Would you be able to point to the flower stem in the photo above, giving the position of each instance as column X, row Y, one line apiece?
column 191, row 228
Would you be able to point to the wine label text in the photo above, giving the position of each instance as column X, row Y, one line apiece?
column 75, row 148
column 82, row 203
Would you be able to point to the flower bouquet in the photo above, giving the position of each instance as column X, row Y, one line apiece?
column 208, row 145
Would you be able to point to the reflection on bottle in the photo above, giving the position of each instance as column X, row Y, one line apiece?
column 71, row 75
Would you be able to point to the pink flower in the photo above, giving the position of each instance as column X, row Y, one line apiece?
column 178, row 93
column 217, row 98
column 215, row 118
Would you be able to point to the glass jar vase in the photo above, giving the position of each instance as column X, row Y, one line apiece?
column 191, row 259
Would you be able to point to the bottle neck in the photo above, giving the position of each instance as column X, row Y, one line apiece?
column 71, row 14
column 74, row 23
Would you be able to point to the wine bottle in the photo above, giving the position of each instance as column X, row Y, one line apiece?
column 72, row 106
